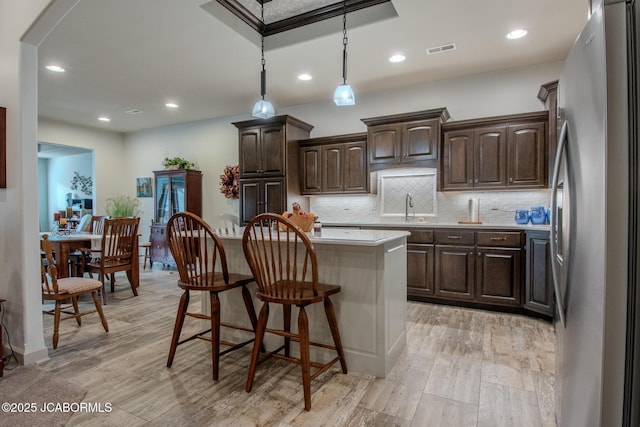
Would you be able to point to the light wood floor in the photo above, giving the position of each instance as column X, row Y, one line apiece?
column 461, row 367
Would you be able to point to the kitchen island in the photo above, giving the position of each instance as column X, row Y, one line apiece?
column 371, row 268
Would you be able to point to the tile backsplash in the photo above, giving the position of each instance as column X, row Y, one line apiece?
column 496, row 207
column 394, row 187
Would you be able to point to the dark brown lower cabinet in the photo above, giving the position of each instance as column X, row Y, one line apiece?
column 498, row 276
column 261, row 195
column 539, row 295
column 420, row 273
column 455, row 272
column 481, row 268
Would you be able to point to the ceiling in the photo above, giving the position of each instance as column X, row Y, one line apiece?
column 123, row 55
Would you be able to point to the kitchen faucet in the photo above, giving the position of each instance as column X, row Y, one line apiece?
column 408, row 203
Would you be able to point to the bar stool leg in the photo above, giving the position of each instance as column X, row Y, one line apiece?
column 215, row 333
column 257, row 344
column 182, row 311
column 305, row 359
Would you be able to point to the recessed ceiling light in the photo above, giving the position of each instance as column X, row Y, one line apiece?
column 304, row 76
column 55, row 68
column 104, row 119
column 171, row 105
column 516, row 34
column 398, row 57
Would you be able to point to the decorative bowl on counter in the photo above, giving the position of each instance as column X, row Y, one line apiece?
column 303, row 220
column 522, row 216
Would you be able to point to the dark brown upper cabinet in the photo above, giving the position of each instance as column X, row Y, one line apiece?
column 504, row 152
column 268, row 155
column 264, row 149
column 334, row 165
column 410, row 139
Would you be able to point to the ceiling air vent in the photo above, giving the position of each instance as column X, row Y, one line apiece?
column 440, row 49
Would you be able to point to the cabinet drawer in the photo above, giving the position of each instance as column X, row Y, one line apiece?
column 454, row 237
column 507, row 239
column 420, row 236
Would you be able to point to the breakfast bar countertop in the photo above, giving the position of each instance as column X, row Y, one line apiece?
column 346, row 236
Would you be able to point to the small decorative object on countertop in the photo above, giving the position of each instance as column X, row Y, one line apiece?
column 317, row 228
column 522, row 216
column 537, row 215
column 303, row 220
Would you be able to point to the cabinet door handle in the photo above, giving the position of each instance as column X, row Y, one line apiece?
column 470, row 181
column 454, row 237
column 395, row 248
column 498, row 239
column 510, row 179
column 476, row 180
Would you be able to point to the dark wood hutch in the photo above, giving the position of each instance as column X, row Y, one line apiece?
column 177, row 190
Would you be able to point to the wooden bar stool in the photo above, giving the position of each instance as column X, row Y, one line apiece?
column 285, row 268
column 195, row 249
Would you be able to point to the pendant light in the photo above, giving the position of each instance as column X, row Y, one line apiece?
column 344, row 94
column 263, row 108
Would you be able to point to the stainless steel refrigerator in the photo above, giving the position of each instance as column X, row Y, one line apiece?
column 591, row 221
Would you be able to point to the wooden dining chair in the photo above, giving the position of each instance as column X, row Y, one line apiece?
column 65, row 289
column 202, row 266
column 285, row 267
column 80, row 258
column 118, row 252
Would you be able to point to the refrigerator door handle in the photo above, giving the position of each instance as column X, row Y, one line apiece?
column 553, row 221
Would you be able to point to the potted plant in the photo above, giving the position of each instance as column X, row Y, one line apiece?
column 178, row 162
column 122, row 206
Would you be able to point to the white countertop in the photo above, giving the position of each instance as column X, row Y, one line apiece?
column 418, row 224
column 345, row 236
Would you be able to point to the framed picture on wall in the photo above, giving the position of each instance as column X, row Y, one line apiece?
column 3, row 147
column 144, row 187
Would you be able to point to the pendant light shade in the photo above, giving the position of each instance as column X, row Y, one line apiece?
column 263, row 109
column 343, row 94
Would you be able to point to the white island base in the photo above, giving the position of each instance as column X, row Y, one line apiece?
column 370, row 266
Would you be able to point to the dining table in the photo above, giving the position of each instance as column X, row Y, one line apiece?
column 64, row 244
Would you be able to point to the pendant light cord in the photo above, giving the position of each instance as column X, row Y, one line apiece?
column 263, row 74
column 345, row 40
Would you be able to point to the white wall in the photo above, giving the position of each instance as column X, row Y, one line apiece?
column 18, row 202
column 43, row 196
column 482, row 95
column 111, row 162
column 212, row 144
column 60, row 173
